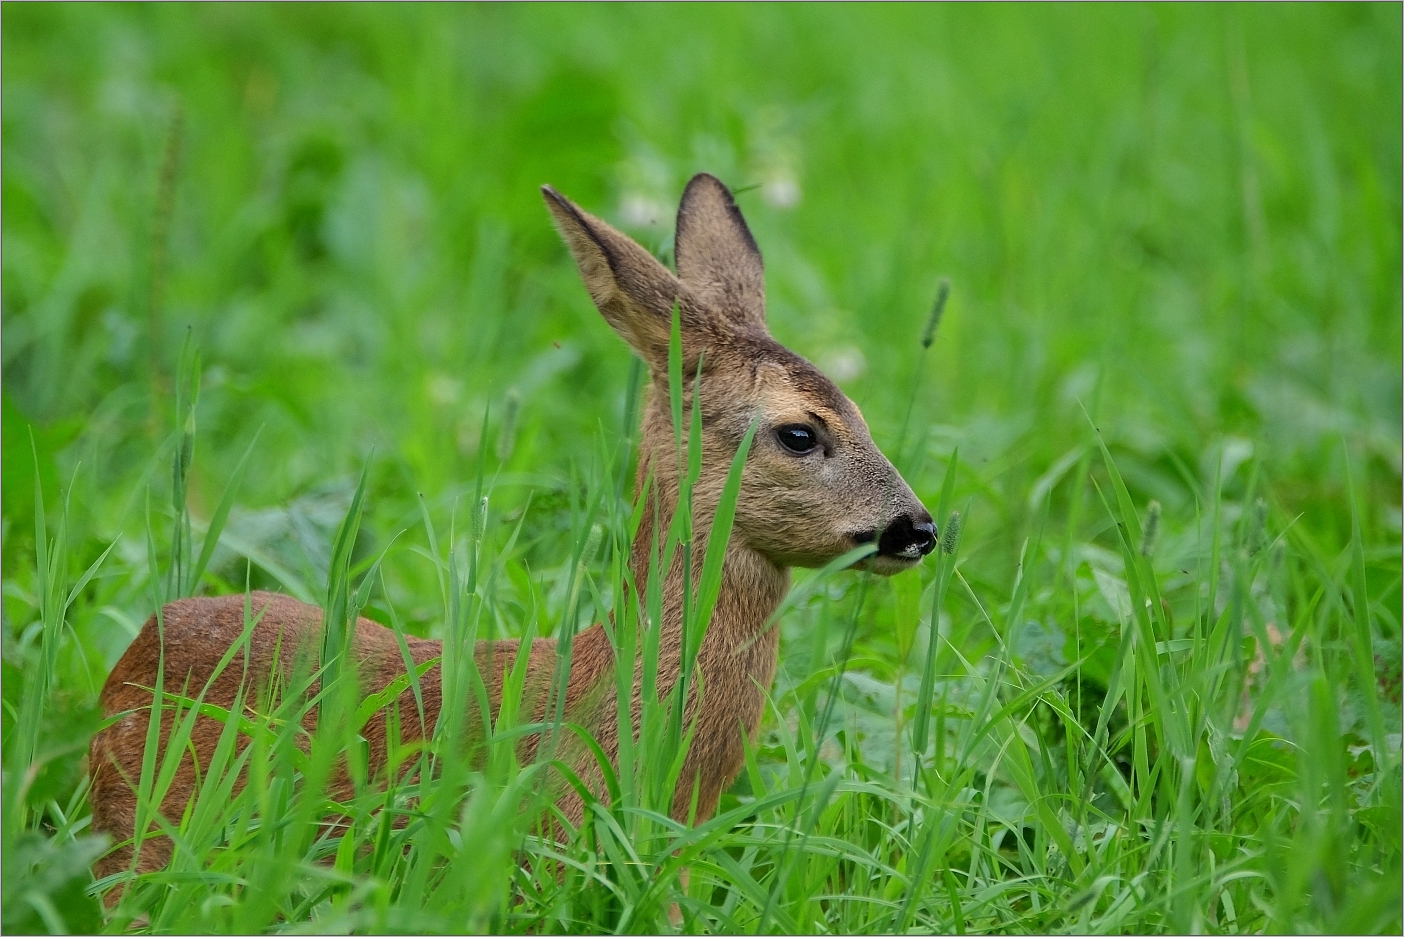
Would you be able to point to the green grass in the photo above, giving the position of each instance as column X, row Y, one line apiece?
column 1178, row 225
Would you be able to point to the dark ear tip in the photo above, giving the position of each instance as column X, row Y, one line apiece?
column 561, row 206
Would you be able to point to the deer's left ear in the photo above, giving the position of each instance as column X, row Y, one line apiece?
column 717, row 259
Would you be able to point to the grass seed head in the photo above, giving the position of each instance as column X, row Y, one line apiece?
column 592, row 543
column 507, row 434
column 479, row 524
column 951, row 538
column 943, row 291
column 1151, row 529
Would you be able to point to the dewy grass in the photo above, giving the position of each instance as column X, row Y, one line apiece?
column 1106, row 723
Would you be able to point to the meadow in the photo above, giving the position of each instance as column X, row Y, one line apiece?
column 282, row 309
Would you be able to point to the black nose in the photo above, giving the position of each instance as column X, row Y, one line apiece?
column 908, row 537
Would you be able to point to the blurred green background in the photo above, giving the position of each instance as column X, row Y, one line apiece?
column 1199, row 204
column 1184, row 219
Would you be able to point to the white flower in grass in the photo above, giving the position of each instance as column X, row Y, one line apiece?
column 781, row 190
column 443, row 390
column 641, row 211
column 844, row 364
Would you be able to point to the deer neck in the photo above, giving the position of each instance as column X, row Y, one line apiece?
column 738, row 651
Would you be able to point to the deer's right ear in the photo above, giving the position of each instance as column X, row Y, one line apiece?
column 718, row 261
column 634, row 292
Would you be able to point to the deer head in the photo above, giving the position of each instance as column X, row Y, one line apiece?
column 814, row 484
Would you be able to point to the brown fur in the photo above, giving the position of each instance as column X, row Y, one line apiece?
column 792, row 511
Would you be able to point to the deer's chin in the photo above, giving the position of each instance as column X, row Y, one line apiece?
column 886, row 565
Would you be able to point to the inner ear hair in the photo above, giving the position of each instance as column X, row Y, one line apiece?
column 717, row 257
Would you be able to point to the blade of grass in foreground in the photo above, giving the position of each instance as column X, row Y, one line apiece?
column 945, row 559
column 221, row 514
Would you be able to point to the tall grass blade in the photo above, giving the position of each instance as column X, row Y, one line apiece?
column 221, row 513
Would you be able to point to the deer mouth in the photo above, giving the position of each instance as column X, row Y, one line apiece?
column 900, row 546
column 885, row 565
column 904, row 541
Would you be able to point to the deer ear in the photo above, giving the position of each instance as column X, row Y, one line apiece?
column 634, row 292
column 718, row 261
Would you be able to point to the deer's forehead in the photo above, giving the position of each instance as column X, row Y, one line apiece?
column 785, row 384
column 786, row 397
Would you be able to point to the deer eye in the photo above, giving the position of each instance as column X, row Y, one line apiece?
column 797, row 438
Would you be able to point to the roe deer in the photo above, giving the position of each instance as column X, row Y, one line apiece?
column 813, row 487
